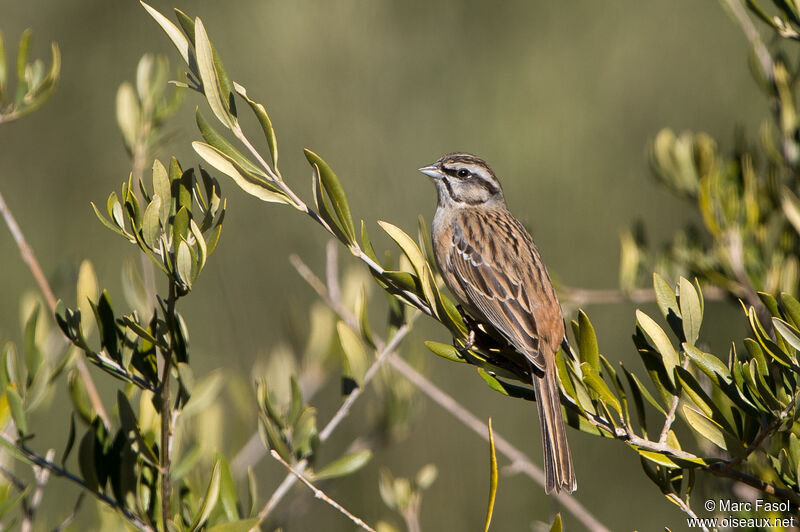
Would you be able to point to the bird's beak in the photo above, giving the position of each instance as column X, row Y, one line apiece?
column 431, row 171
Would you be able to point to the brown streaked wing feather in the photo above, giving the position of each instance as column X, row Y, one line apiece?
column 498, row 290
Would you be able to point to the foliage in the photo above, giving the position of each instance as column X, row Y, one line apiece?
column 34, row 84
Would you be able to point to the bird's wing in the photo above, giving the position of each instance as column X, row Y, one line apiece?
column 499, row 282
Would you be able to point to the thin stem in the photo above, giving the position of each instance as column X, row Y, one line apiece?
column 683, row 505
column 319, row 494
column 42, row 475
column 721, row 470
column 751, row 33
column 33, row 265
column 54, row 469
column 166, row 418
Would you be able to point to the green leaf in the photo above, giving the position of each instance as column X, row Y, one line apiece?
column 86, row 460
column 418, row 262
column 260, row 188
column 107, row 325
column 162, row 189
column 33, row 355
column 335, row 192
column 213, row 138
column 344, row 465
column 227, row 490
column 703, row 425
column 634, row 382
column 660, row 341
column 108, row 224
column 304, row 433
column 366, row 243
column 323, row 206
column 709, row 364
column 263, row 119
column 493, row 382
column 271, row 437
column 658, row 458
column 202, row 250
column 151, row 224
column 556, row 523
column 355, row 356
column 593, row 380
column 22, row 62
column 3, row 69
column 172, row 31
column 492, row 478
column 128, row 114
column 665, row 297
column 70, row 441
column 17, row 409
column 444, row 350
column 792, row 308
column 787, row 332
column 361, row 312
column 184, row 264
column 87, row 289
column 245, row 525
column 691, row 311
column 210, row 499
column 208, row 75
column 11, row 501
column 130, row 425
column 252, row 492
column 587, row 342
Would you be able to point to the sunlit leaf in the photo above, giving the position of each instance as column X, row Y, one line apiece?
column 217, row 159
column 704, row 426
column 172, row 31
column 492, row 479
column 209, row 501
column 661, row 343
column 691, row 311
column 444, row 350
column 344, row 465
column 209, row 76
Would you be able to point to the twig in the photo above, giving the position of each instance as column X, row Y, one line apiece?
column 71, row 517
column 54, row 469
column 319, row 494
column 683, row 505
column 340, row 414
column 42, row 475
column 519, row 461
column 751, row 33
column 33, row 265
column 721, row 470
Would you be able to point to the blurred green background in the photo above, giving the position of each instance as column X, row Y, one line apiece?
column 560, row 98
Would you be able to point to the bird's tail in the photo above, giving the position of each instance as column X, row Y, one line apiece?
column 559, row 471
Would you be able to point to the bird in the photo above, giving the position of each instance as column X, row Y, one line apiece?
column 489, row 261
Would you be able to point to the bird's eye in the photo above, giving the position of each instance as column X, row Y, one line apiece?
column 463, row 172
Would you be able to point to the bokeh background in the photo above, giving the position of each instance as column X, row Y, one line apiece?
column 561, row 98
